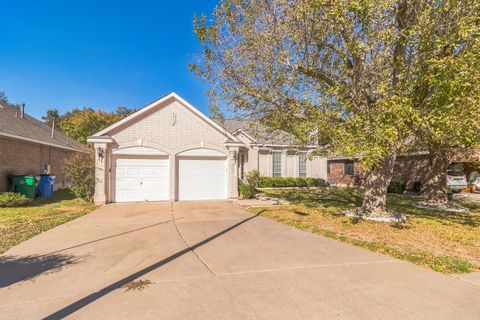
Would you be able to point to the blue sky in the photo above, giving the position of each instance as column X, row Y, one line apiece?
column 99, row 54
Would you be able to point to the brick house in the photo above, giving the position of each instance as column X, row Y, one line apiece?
column 31, row 147
column 344, row 171
column 169, row 150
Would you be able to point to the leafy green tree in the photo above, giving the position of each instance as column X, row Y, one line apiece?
column 51, row 116
column 446, row 90
column 335, row 72
column 82, row 123
column 3, row 97
column 124, row 112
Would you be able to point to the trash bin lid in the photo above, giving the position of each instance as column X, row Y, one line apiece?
column 30, row 180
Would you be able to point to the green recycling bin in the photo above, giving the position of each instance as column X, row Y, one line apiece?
column 26, row 185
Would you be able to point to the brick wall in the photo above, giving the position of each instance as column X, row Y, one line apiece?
column 411, row 169
column 337, row 176
column 407, row 169
column 172, row 128
column 18, row 157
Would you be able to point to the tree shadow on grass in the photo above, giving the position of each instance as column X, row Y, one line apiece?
column 404, row 204
column 345, row 198
column 15, row 269
column 338, row 198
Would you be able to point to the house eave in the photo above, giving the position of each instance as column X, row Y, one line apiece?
column 271, row 145
column 100, row 139
column 17, row 137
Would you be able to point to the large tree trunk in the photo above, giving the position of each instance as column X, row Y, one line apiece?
column 435, row 187
column 376, row 184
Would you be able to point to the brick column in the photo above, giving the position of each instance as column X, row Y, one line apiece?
column 101, row 174
column 173, row 177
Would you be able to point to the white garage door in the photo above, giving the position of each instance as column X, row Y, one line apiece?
column 142, row 180
column 202, row 179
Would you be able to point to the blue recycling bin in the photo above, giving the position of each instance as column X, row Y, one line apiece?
column 45, row 185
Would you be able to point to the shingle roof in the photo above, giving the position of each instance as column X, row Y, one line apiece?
column 12, row 124
column 260, row 133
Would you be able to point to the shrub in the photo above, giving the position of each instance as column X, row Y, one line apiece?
column 320, row 182
column 80, row 170
column 310, row 182
column 253, row 178
column 300, row 182
column 290, row 182
column 247, row 191
column 279, row 182
column 12, row 199
column 265, row 182
column 396, row 186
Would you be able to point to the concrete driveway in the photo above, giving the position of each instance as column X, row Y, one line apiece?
column 212, row 260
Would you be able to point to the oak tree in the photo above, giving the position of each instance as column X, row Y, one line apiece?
column 339, row 70
column 445, row 93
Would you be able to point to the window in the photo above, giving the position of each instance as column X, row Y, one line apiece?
column 241, row 164
column 302, row 165
column 348, row 168
column 277, row 164
column 328, row 167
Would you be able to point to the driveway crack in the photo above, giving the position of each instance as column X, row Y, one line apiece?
column 187, row 244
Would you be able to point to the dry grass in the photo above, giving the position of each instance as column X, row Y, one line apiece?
column 138, row 285
column 444, row 242
column 22, row 223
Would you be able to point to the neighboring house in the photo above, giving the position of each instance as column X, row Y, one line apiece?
column 31, row 147
column 169, row 150
column 344, row 171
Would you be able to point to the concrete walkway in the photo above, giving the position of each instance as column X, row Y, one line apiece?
column 211, row 260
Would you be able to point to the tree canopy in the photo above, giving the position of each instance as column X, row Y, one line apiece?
column 445, row 93
column 336, row 68
column 82, row 123
column 345, row 71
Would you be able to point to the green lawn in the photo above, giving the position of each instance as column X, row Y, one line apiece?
column 22, row 223
column 444, row 242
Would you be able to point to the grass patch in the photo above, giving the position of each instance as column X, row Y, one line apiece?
column 138, row 285
column 442, row 241
column 22, row 223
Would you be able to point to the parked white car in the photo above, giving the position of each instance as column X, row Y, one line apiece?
column 456, row 180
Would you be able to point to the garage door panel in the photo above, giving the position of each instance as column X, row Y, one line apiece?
column 141, row 179
column 152, row 171
column 202, row 179
column 132, row 172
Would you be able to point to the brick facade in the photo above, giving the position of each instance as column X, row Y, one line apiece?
column 337, row 176
column 407, row 169
column 24, row 158
column 172, row 127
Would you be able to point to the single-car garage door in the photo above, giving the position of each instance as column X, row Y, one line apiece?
column 202, row 179
column 141, row 179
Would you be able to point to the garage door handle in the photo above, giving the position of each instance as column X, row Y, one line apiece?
column 141, row 183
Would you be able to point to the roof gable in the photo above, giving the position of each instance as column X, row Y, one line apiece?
column 165, row 99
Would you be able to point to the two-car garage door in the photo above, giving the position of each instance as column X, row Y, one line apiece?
column 147, row 179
